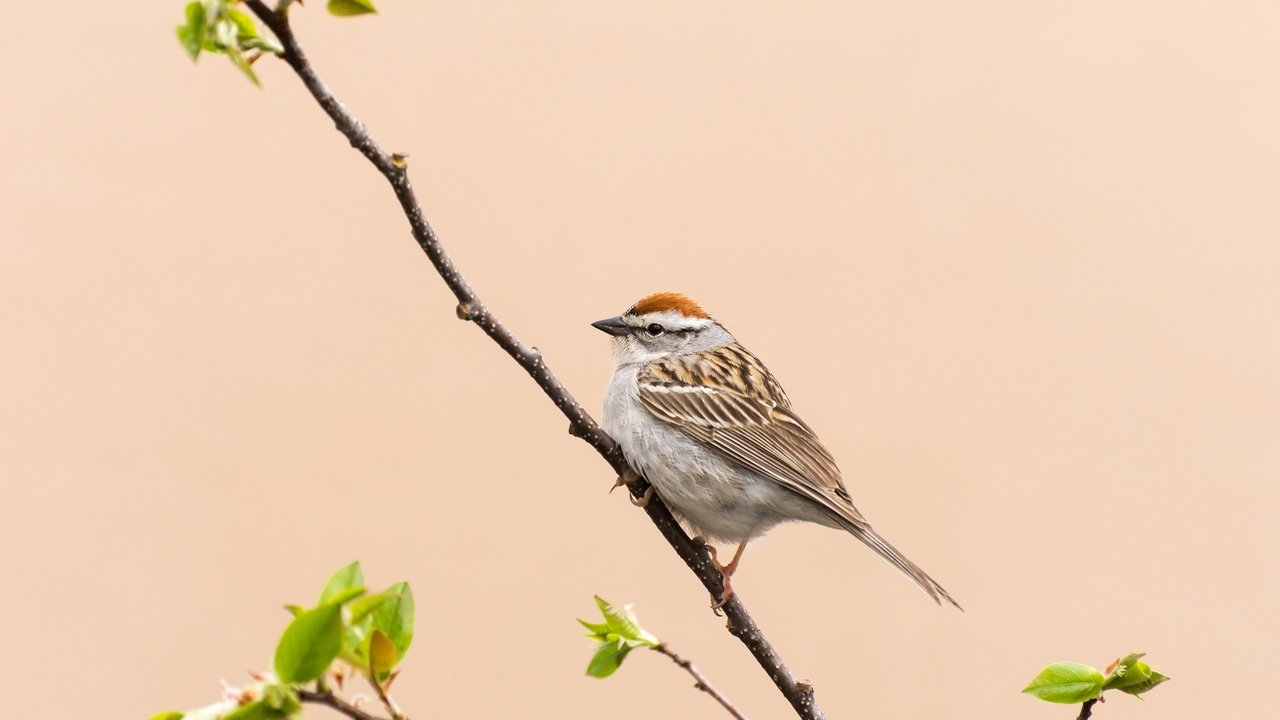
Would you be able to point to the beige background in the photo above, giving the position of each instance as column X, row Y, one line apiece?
column 1016, row 262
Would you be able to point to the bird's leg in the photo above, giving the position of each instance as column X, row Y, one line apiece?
column 630, row 477
column 726, row 572
column 732, row 567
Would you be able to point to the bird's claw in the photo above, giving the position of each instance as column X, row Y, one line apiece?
column 717, row 604
column 644, row 500
column 726, row 572
column 628, row 477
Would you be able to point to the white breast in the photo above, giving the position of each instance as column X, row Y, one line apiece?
column 718, row 499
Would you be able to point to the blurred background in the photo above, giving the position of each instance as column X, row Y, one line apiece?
column 1016, row 263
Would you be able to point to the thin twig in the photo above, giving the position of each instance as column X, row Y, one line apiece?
column 581, row 424
column 1086, row 710
column 700, row 680
column 387, row 702
column 327, row 697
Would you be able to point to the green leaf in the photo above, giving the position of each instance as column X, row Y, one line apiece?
column 345, row 596
column 342, row 580
column 249, row 37
column 394, row 617
column 346, row 8
column 282, row 698
column 607, row 658
column 223, row 38
column 1128, row 660
column 1136, row 690
column 309, row 644
column 264, row 44
column 624, row 624
column 295, row 610
column 1132, row 675
column 237, row 59
column 1129, row 671
column 599, row 631
column 390, row 611
column 362, row 608
column 257, row 710
column 382, row 656
column 1066, row 682
column 244, row 23
column 619, row 634
column 191, row 35
column 169, row 715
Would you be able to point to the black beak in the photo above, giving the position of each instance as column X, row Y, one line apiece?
column 614, row 326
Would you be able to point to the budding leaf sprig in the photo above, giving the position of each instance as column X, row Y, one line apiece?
column 618, row 635
column 1069, row 682
column 368, row 632
column 1133, row 676
column 216, row 26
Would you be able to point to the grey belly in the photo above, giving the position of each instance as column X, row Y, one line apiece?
column 715, row 497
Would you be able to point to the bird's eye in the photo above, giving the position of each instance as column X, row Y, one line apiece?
column 654, row 330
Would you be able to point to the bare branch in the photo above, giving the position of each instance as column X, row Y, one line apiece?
column 700, row 681
column 1086, row 710
column 581, row 424
column 326, row 697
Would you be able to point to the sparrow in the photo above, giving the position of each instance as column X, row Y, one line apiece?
column 705, row 422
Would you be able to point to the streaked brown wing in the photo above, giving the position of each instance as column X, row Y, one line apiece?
column 727, row 400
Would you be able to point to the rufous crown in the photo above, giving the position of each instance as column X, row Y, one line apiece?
column 668, row 301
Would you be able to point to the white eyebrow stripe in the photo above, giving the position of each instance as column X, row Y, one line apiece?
column 671, row 320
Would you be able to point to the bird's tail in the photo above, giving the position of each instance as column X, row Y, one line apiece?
column 873, row 540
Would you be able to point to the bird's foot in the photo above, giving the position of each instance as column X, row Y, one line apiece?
column 726, row 572
column 644, row 500
column 726, row 594
column 628, row 477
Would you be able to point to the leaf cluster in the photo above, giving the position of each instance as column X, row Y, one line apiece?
column 1069, row 682
column 371, row 632
column 217, row 26
column 618, row 635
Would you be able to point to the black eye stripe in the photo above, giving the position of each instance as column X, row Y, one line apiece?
column 657, row 329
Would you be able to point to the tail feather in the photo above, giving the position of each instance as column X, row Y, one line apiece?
column 873, row 540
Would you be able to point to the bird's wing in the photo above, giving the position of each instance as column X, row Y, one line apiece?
column 728, row 400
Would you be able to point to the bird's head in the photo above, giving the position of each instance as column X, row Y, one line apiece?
column 659, row 325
